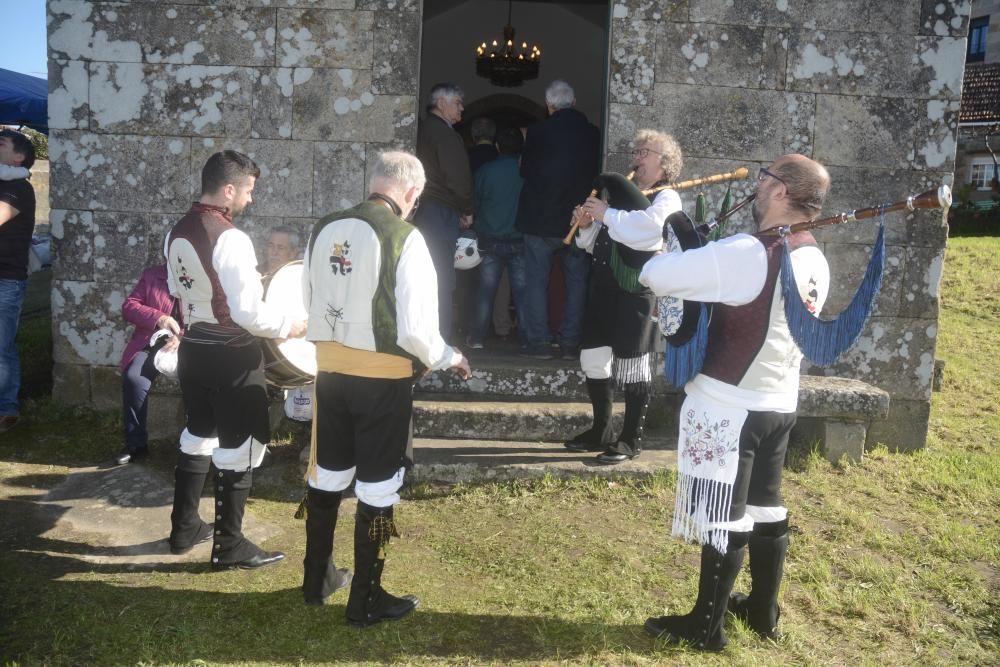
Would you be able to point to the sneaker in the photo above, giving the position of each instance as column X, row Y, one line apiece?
column 126, row 456
column 475, row 344
column 537, row 352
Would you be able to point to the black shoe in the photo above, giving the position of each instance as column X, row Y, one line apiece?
column 262, row 559
column 543, row 352
column 584, row 446
column 618, row 453
column 203, row 535
column 569, row 353
column 586, row 442
column 127, row 455
column 394, row 609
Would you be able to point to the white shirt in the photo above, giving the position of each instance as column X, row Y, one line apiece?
column 235, row 264
column 733, row 271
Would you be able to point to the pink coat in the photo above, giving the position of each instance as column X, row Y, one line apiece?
column 148, row 302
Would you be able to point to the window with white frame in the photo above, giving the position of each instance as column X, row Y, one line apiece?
column 981, row 172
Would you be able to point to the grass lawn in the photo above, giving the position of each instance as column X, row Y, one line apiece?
column 894, row 560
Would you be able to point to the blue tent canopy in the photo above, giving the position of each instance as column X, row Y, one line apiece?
column 24, row 100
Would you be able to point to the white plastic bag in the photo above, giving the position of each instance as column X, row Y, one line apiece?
column 299, row 403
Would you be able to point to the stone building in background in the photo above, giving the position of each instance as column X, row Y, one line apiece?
column 142, row 92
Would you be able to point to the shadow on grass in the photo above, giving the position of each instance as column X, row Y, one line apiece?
column 59, row 607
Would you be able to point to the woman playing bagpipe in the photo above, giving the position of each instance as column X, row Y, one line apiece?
column 767, row 290
column 618, row 329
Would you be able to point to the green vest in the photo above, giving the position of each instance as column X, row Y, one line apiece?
column 392, row 232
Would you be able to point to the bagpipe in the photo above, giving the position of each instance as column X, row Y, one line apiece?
column 821, row 341
column 622, row 193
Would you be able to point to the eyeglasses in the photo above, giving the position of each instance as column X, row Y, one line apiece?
column 764, row 172
column 643, row 152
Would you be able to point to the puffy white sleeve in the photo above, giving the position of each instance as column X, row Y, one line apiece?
column 731, row 271
column 417, row 326
column 235, row 263
column 643, row 229
column 586, row 238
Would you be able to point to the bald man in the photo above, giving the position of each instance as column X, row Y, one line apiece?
column 740, row 408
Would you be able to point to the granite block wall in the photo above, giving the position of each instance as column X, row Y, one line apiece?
column 870, row 89
column 142, row 92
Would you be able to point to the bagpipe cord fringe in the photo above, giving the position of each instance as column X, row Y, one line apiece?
column 632, row 370
column 700, row 506
column 682, row 363
column 823, row 341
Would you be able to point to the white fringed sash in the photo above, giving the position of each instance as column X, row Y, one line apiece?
column 707, row 461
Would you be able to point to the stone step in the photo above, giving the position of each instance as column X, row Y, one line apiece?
column 505, row 420
column 499, row 371
column 451, row 461
column 503, row 373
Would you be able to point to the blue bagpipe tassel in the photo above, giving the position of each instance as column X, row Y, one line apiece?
column 823, row 341
column 682, row 363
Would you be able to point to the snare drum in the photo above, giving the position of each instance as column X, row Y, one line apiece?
column 290, row 362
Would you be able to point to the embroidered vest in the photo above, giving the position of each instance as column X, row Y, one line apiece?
column 189, row 250
column 750, row 345
column 356, row 299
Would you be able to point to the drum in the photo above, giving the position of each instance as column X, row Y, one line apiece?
column 290, row 362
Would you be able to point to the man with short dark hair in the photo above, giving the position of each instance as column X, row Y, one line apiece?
column 559, row 164
column 17, row 222
column 213, row 269
column 375, row 327
column 446, row 204
column 740, row 408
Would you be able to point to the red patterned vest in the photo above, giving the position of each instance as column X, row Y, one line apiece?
column 737, row 334
column 189, row 251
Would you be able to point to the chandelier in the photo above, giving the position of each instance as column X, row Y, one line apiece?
column 503, row 63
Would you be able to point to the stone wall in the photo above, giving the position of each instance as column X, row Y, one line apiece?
column 141, row 93
column 870, row 89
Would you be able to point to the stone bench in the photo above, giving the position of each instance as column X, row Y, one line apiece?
column 836, row 413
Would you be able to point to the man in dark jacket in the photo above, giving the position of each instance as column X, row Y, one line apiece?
column 559, row 164
column 446, row 203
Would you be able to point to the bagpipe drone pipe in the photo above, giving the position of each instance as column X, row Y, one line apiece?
column 822, row 341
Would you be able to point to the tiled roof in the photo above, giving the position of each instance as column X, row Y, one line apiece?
column 981, row 93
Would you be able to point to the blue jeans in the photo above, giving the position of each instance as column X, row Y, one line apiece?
column 136, row 383
column 439, row 226
column 11, row 298
column 500, row 254
column 538, row 254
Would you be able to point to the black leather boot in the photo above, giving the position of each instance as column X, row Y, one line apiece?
column 231, row 549
column 186, row 527
column 599, row 436
column 321, row 577
column 629, row 444
column 768, row 547
column 702, row 628
column 369, row 603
